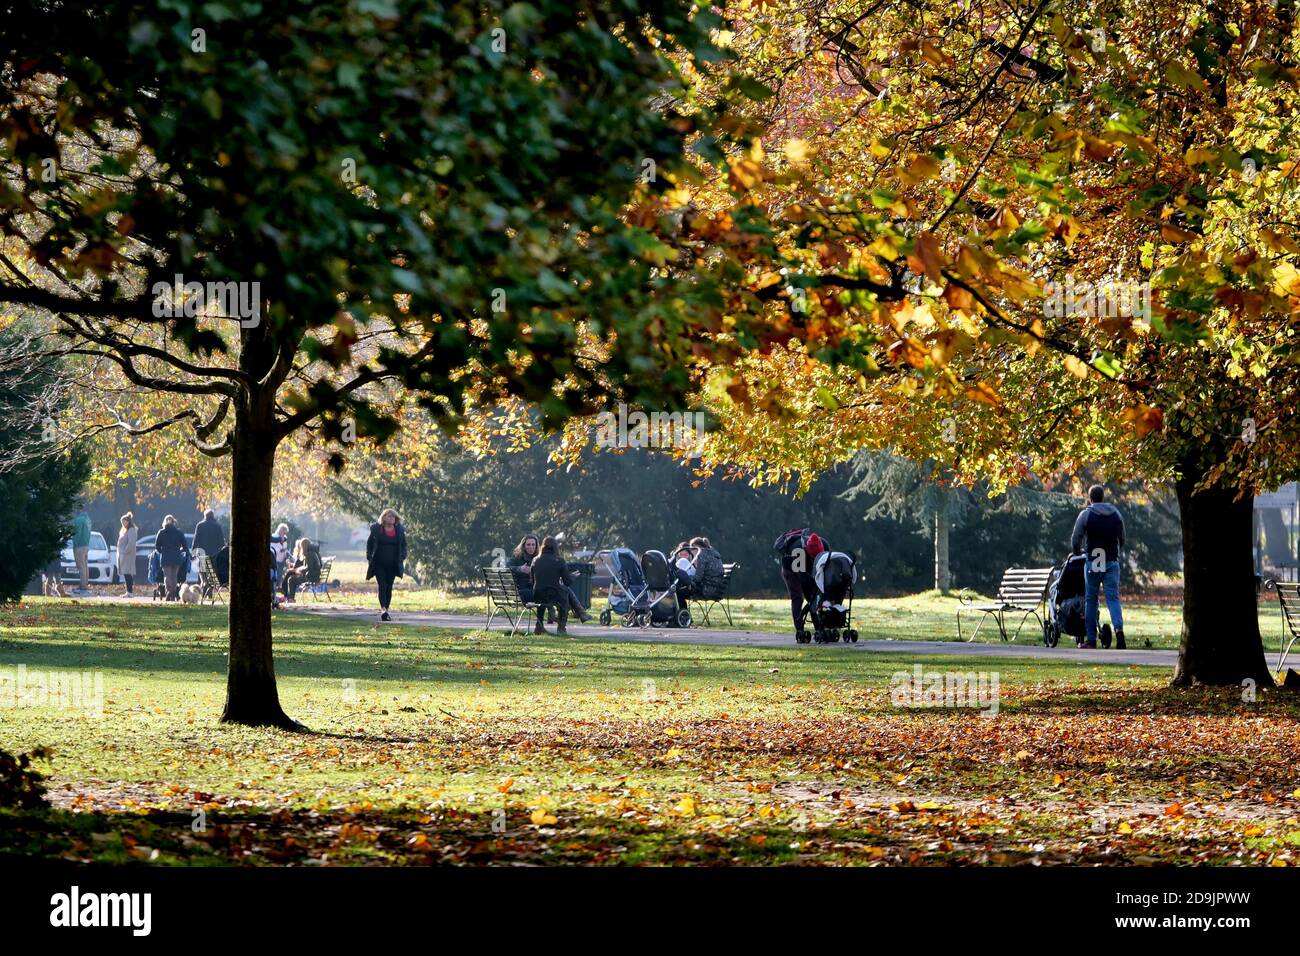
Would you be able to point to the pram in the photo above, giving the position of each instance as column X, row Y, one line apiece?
column 1065, row 604
column 641, row 593
column 831, row 607
column 626, row 585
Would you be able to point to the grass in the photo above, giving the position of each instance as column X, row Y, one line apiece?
column 438, row 746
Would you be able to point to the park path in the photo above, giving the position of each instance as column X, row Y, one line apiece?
column 743, row 638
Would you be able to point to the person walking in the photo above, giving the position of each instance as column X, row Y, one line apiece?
column 81, row 550
column 208, row 534
column 126, row 539
column 1099, row 534
column 173, row 554
column 386, row 557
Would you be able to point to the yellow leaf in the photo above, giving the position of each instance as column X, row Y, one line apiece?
column 796, row 150
column 541, row 817
column 1125, row 828
column 1076, row 367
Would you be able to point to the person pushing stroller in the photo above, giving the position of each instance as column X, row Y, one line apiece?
column 796, row 553
column 1100, row 529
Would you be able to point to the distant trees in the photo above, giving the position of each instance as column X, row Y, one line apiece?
column 460, row 507
column 37, row 490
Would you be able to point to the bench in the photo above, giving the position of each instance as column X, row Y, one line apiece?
column 504, row 598
column 1288, row 596
column 721, row 601
column 209, row 583
column 322, row 586
column 1022, row 591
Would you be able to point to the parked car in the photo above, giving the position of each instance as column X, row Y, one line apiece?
column 102, row 561
column 144, row 548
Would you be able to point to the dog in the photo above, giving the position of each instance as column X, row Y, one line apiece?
column 191, row 593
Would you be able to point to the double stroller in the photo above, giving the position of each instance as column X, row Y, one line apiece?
column 642, row 593
column 831, row 605
column 1065, row 604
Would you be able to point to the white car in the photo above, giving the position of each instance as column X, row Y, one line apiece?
column 100, row 558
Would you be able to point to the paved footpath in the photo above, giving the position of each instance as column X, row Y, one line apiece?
column 739, row 638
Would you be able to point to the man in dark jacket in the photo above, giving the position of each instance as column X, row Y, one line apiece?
column 550, row 585
column 208, row 536
column 1099, row 534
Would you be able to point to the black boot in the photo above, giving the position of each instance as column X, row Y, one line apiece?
column 1119, row 639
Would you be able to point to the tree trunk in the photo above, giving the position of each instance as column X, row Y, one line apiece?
column 251, row 695
column 1221, row 643
column 942, row 573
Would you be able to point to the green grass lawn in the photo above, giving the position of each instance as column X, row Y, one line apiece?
column 439, row 746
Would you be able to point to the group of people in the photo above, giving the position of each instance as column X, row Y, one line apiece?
column 543, row 577
column 697, row 569
column 1098, row 535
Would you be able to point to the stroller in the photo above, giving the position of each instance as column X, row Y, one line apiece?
column 662, row 607
column 1065, row 604
column 626, row 585
column 831, row 607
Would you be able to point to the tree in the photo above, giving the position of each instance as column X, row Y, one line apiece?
column 392, row 205
column 1066, row 228
column 36, row 495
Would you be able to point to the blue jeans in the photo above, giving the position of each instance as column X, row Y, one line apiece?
column 1093, row 581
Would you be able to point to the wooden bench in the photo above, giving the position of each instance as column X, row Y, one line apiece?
column 1022, row 591
column 322, row 586
column 721, row 601
column 504, row 598
column 1288, row 596
column 209, row 583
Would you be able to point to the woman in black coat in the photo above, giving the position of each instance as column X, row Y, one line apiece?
column 386, row 556
column 551, row 585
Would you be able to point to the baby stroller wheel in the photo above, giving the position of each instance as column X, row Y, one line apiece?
column 604, row 618
column 645, row 619
column 801, row 636
column 851, row 636
column 629, row 619
column 1105, row 635
column 684, row 618
column 1049, row 634
column 832, row 635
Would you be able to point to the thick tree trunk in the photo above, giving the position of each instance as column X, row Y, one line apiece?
column 942, row 572
column 1221, row 642
column 251, row 695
